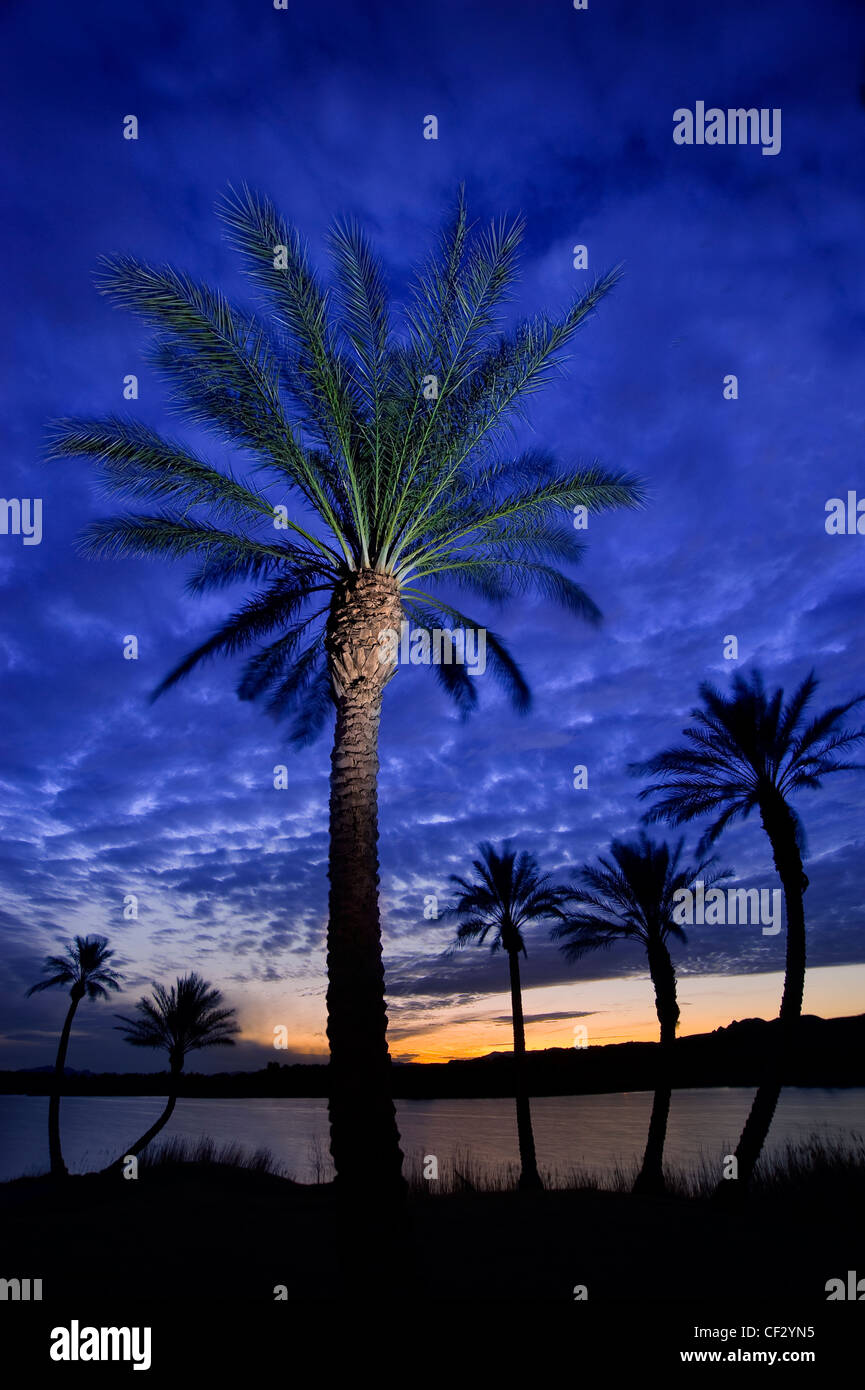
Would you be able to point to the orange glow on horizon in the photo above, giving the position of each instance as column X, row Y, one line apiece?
column 611, row 1010
column 615, row 1011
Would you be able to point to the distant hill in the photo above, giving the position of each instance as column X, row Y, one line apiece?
column 67, row 1071
column 826, row 1052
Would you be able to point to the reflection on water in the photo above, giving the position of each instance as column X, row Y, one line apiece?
column 589, row 1132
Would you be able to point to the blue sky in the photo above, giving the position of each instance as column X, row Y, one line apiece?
column 735, row 262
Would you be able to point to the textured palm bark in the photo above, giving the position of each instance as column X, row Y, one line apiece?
column 529, row 1176
column 364, row 1139
column 780, row 828
column 55, row 1152
column 650, row 1179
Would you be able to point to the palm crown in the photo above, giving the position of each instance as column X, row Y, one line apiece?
column 631, row 896
column 748, row 750
column 752, row 750
column 379, row 446
column 181, row 1019
column 83, row 966
column 509, row 893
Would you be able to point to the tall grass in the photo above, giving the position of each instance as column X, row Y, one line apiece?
column 206, row 1153
column 817, row 1171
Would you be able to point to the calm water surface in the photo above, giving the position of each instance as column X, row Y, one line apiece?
column 593, row 1133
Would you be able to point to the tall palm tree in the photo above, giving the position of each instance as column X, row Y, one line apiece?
column 508, row 895
column 630, row 897
column 183, row 1019
column 84, row 967
column 382, row 492
column 749, row 750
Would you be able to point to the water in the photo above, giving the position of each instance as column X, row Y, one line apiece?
column 593, row 1133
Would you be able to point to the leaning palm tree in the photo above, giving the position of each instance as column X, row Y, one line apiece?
column 508, row 895
column 84, row 967
column 376, row 490
column 631, row 896
column 748, row 751
column 180, row 1020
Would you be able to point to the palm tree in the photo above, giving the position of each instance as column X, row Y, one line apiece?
column 631, row 897
column 385, row 493
column 182, row 1019
column 84, row 967
column 508, row 895
column 750, row 751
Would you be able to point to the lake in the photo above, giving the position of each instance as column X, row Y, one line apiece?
column 592, row 1133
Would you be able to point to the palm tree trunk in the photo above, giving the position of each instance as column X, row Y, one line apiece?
column 530, row 1178
column 650, row 1179
column 55, row 1152
column 779, row 826
column 364, row 1139
column 135, row 1149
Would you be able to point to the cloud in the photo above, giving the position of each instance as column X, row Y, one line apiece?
column 734, row 263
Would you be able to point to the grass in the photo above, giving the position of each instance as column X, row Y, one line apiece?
column 205, row 1153
column 817, row 1169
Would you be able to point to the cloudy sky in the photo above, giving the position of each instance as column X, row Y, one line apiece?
column 736, row 263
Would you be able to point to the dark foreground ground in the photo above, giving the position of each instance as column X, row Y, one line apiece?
column 211, row 1232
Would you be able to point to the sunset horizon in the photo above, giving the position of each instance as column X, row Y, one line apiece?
column 831, row 992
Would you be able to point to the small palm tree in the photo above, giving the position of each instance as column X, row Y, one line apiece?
column 84, row 967
column 382, row 492
column 182, row 1019
column 749, row 751
column 509, row 894
column 631, row 896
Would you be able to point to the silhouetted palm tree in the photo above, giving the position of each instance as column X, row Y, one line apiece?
column 631, row 897
column 84, row 967
column 508, row 895
column 377, row 452
column 750, row 751
column 182, row 1019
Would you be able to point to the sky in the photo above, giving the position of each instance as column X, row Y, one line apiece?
column 735, row 263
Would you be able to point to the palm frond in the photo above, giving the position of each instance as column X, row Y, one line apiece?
column 329, row 405
column 84, row 965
